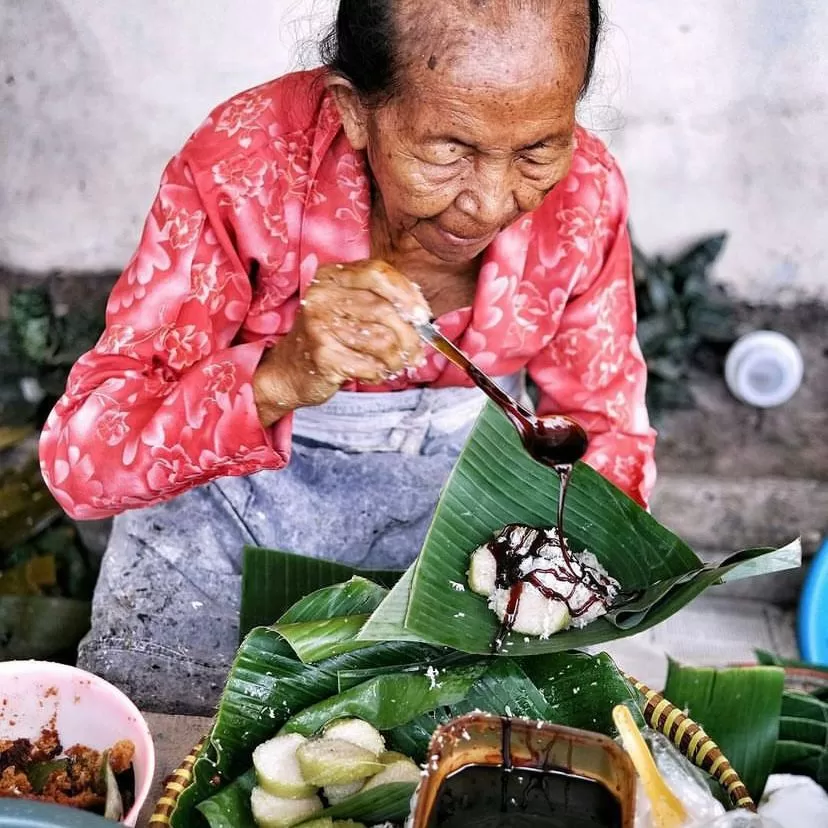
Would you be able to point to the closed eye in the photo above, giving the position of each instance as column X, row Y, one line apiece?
column 448, row 162
column 540, row 162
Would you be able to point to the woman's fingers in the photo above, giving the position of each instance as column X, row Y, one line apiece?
column 377, row 341
column 340, row 363
column 354, row 323
column 383, row 280
column 344, row 309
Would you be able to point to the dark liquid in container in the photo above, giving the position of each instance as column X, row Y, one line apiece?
column 485, row 796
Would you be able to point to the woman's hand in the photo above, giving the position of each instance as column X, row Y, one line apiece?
column 353, row 324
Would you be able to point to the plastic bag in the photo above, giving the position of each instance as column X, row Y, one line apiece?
column 687, row 782
column 739, row 819
column 691, row 787
column 795, row 802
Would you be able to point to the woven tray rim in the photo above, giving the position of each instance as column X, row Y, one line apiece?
column 177, row 782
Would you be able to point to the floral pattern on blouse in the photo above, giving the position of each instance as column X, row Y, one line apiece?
column 164, row 402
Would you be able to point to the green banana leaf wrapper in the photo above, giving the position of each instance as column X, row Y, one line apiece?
column 496, row 483
column 310, row 667
column 760, row 724
column 359, row 649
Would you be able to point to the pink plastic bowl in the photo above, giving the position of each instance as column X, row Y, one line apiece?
column 85, row 710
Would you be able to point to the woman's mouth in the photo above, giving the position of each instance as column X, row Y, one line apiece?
column 457, row 240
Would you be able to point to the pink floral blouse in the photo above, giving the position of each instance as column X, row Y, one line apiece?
column 164, row 402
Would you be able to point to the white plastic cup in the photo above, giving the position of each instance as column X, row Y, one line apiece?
column 764, row 369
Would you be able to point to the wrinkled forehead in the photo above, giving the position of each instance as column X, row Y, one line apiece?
column 475, row 42
column 466, row 68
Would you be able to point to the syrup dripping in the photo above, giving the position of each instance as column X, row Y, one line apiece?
column 557, row 442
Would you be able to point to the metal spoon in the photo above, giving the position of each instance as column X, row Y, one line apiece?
column 554, row 441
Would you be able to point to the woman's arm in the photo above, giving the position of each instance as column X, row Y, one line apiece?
column 165, row 400
column 593, row 369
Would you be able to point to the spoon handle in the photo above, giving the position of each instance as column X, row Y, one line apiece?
column 429, row 333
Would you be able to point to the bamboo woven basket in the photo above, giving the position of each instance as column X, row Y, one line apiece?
column 659, row 713
column 175, row 785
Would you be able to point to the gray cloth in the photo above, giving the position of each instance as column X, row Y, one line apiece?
column 361, row 488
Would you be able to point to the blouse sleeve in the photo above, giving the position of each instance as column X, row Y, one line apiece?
column 593, row 370
column 164, row 402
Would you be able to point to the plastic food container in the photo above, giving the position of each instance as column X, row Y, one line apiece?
column 84, row 709
column 20, row 813
column 764, row 369
column 530, row 771
column 813, row 611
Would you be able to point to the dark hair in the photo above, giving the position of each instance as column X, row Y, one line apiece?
column 360, row 46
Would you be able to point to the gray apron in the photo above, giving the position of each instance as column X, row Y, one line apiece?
column 361, row 487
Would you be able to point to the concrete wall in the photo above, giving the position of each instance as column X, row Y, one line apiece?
column 717, row 110
column 722, row 124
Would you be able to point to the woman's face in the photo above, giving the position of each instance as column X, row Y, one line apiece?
column 481, row 132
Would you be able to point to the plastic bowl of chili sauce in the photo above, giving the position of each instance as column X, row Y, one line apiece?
column 80, row 709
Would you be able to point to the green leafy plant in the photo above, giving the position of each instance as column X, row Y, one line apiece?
column 684, row 319
column 46, row 574
column 38, row 347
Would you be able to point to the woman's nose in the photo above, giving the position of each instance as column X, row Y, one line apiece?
column 489, row 195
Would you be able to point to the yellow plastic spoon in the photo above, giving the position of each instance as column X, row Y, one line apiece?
column 667, row 811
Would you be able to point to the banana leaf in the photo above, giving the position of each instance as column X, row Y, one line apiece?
column 803, row 727
column 389, row 701
column 495, row 483
column 408, row 688
column 315, row 641
column 796, row 705
column 409, row 707
column 268, row 683
column 740, row 710
column 273, row 581
column 386, row 622
column 358, row 596
column 351, row 678
column 386, row 803
column 803, row 737
column 231, row 807
column 325, row 623
column 572, row 684
column 504, row 689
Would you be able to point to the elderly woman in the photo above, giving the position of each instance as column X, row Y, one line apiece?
column 258, row 381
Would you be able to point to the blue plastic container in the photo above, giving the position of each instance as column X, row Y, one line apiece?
column 20, row 813
column 813, row 611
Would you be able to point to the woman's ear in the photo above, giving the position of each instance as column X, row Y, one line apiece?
column 351, row 110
